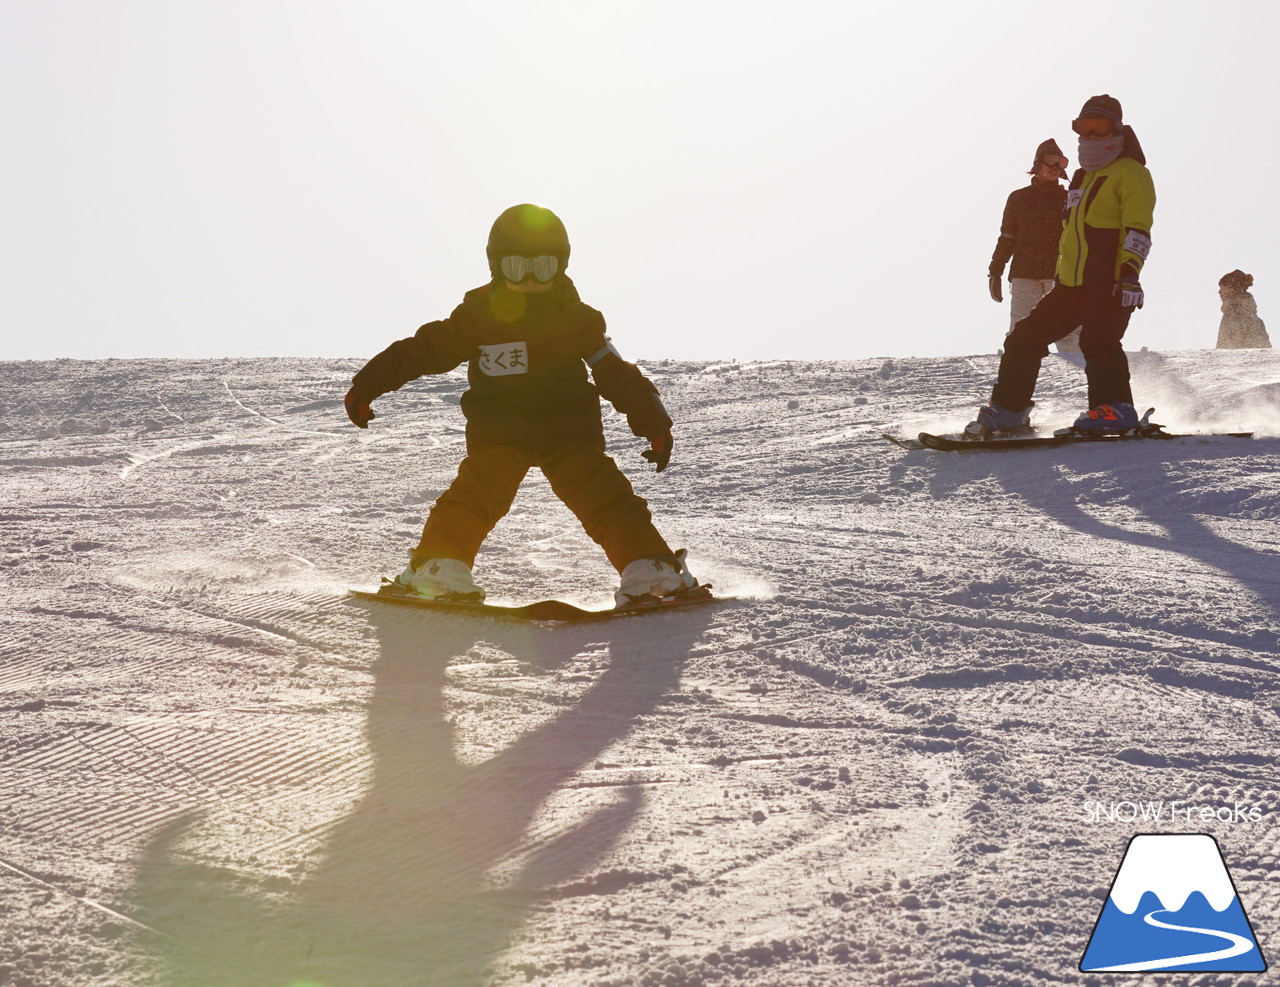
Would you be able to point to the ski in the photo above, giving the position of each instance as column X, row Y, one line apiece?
column 544, row 611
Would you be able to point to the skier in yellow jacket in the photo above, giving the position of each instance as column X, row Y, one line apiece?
column 1106, row 237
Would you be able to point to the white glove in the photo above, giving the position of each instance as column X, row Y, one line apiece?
column 1131, row 294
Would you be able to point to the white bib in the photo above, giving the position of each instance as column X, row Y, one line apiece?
column 503, row 359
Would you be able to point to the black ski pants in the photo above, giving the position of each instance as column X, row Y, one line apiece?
column 1102, row 321
column 581, row 474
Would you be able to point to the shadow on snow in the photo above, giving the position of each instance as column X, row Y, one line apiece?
column 404, row 892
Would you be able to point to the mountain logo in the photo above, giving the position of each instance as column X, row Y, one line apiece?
column 1173, row 909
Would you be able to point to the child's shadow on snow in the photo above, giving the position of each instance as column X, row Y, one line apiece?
column 1035, row 477
column 406, row 891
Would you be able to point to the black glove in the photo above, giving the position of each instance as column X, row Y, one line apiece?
column 993, row 285
column 660, row 454
column 359, row 409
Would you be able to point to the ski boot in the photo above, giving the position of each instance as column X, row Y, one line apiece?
column 995, row 418
column 646, row 582
column 439, row 579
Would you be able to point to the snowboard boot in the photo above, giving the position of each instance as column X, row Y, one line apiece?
column 441, row 579
column 654, row 580
column 1116, row 417
column 995, row 418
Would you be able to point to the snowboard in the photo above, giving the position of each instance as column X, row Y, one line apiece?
column 1031, row 439
column 544, row 611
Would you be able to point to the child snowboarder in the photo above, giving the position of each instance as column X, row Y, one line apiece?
column 528, row 341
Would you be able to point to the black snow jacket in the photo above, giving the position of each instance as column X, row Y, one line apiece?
column 528, row 357
column 1029, row 232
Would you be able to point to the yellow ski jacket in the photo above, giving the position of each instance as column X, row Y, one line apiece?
column 1107, row 223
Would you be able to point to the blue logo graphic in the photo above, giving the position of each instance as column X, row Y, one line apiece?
column 1173, row 909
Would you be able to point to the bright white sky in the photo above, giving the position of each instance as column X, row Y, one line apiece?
column 740, row 180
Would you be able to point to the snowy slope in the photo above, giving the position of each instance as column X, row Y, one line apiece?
column 882, row 764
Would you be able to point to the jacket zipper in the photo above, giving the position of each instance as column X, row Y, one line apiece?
column 1079, row 224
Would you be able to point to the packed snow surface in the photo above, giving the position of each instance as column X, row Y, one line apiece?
column 911, row 749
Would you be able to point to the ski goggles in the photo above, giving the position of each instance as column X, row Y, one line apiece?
column 1054, row 161
column 543, row 267
column 1093, row 127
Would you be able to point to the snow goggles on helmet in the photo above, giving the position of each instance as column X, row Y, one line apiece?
column 1094, row 126
column 543, row 267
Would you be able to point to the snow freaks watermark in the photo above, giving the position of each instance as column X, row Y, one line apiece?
column 1172, row 811
column 1172, row 908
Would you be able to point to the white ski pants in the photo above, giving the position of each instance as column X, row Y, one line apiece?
column 1024, row 295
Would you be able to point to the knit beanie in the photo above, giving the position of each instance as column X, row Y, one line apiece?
column 1046, row 149
column 1237, row 281
column 1107, row 107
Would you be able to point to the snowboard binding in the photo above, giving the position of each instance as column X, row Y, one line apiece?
column 1145, row 428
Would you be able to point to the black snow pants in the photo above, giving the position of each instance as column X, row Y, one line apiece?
column 581, row 474
column 1102, row 322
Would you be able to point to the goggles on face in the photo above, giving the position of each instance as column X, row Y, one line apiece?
column 543, row 267
column 1093, row 127
column 1054, row 161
